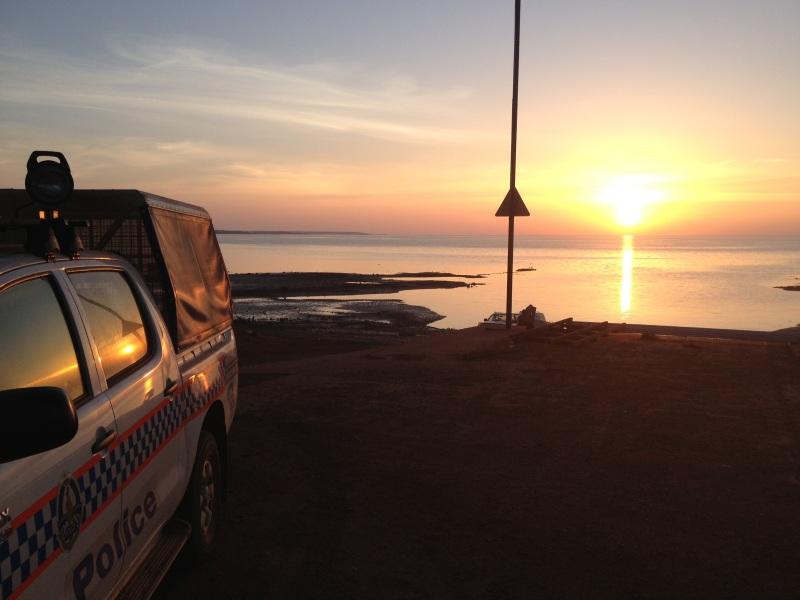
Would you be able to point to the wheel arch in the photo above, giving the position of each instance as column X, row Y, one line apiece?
column 214, row 423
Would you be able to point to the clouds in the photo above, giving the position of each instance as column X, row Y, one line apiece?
column 396, row 114
column 190, row 82
column 192, row 119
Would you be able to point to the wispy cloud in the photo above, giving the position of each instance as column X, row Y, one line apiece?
column 157, row 78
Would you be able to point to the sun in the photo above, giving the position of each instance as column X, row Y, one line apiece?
column 630, row 195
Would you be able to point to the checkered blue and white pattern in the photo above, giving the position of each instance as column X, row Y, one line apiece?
column 196, row 402
column 28, row 546
column 98, row 484
column 33, row 541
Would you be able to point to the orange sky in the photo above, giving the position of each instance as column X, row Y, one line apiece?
column 394, row 117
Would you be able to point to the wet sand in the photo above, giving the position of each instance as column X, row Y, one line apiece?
column 319, row 311
column 301, row 297
column 387, row 464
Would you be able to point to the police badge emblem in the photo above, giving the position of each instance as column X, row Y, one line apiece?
column 69, row 513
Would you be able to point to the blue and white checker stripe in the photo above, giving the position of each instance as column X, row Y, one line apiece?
column 34, row 541
column 28, row 546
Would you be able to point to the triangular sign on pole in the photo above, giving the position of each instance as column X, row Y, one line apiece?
column 512, row 205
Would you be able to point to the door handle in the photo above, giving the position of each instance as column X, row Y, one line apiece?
column 170, row 387
column 105, row 437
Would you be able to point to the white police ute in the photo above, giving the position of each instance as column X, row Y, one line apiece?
column 118, row 386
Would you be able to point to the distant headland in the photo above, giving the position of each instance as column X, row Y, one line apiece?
column 266, row 232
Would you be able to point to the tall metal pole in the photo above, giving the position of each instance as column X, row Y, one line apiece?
column 513, row 205
column 513, row 175
column 510, row 272
column 514, row 95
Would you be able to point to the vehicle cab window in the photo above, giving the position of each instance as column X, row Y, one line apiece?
column 115, row 321
column 37, row 348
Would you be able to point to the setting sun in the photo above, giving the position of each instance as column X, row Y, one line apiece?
column 630, row 195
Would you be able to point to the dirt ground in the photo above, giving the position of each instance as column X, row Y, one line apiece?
column 464, row 465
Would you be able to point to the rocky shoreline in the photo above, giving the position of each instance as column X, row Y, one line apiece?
column 300, row 298
column 344, row 313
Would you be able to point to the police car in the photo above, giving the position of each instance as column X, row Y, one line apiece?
column 118, row 386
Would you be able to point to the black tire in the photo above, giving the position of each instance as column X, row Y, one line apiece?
column 202, row 504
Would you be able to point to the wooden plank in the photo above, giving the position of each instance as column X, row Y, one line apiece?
column 540, row 333
column 584, row 329
column 584, row 333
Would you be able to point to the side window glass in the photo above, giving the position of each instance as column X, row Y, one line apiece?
column 36, row 348
column 115, row 321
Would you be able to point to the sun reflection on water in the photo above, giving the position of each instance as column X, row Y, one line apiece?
column 626, row 285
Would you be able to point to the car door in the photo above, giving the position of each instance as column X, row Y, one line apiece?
column 60, row 506
column 141, row 377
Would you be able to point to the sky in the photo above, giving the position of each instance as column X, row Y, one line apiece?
column 675, row 117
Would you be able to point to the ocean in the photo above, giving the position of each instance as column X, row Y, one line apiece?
column 727, row 282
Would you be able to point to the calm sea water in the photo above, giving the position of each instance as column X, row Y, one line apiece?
column 694, row 281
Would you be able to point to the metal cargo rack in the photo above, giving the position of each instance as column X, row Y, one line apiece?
column 172, row 244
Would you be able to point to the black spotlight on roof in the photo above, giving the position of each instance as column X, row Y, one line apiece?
column 48, row 182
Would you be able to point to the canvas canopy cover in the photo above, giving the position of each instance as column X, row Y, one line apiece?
column 172, row 244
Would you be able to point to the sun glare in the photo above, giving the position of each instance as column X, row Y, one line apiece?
column 630, row 195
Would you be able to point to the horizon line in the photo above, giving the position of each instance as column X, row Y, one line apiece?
column 598, row 234
column 288, row 232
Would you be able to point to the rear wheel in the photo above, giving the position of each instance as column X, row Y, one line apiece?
column 202, row 504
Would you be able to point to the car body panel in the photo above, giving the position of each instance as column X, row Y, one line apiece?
column 130, row 490
column 58, row 489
